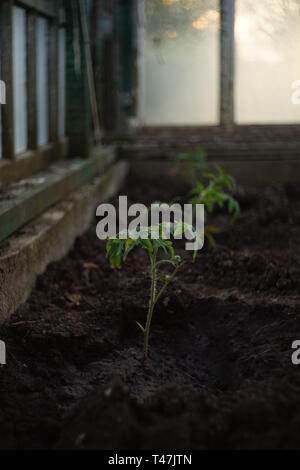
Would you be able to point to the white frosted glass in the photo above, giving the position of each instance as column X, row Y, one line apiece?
column 180, row 76
column 62, row 83
column 267, row 35
column 42, row 81
column 19, row 85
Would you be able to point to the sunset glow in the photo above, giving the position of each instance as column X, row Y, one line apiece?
column 209, row 20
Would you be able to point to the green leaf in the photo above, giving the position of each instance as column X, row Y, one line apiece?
column 129, row 246
column 176, row 260
column 169, row 245
column 148, row 245
column 161, row 244
column 115, row 262
column 141, row 327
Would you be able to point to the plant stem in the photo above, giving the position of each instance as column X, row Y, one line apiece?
column 153, row 301
column 151, row 307
column 166, row 285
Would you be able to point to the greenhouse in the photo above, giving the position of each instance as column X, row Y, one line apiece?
column 149, row 227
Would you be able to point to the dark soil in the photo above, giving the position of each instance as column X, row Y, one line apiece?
column 220, row 373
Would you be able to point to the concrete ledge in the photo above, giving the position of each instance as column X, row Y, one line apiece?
column 48, row 238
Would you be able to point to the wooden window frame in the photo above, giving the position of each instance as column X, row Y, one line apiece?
column 62, row 24
column 14, row 166
column 239, row 139
column 50, row 181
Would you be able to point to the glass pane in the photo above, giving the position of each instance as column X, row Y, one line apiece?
column 62, row 83
column 42, row 81
column 180, row 62
column 20, row 70
column 267, row 37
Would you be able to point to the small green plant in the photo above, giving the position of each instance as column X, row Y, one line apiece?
column 161, row 253
column 216, row 193
column 213, row 189
column 191, row 164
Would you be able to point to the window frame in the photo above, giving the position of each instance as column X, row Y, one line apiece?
column 16, row 166
column 242, row 138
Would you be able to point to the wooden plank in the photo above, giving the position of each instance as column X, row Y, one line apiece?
column 79, row 126
column 221, row 148
column 109, row 57
column 227, row 62
column 97, row 35
column 19, row 206
column 6, row 51
column 61, row 98
column 27, row 164
column 243, row 133
column 48, row 8
column 32, row 79
column 258, row 174
column 53, row 82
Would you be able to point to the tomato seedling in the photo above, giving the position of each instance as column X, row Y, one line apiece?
column 161, row 253
column 192, row 164
column 213, row 189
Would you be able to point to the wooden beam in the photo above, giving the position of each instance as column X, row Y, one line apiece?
column 141, row 60
column 109, row 83
column 44, row 190
column 27, row 164
column 47, row 8
column 32, row 78
column 256, row 174
column 6, row 52
column 227, row 63
column 53, row 81
column 79, row 126
column 97, row 42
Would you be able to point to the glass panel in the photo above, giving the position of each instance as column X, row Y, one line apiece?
column 267, row 37
column 180, row 57
column 20, row 70
column 42, row 81
column 62, row 83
